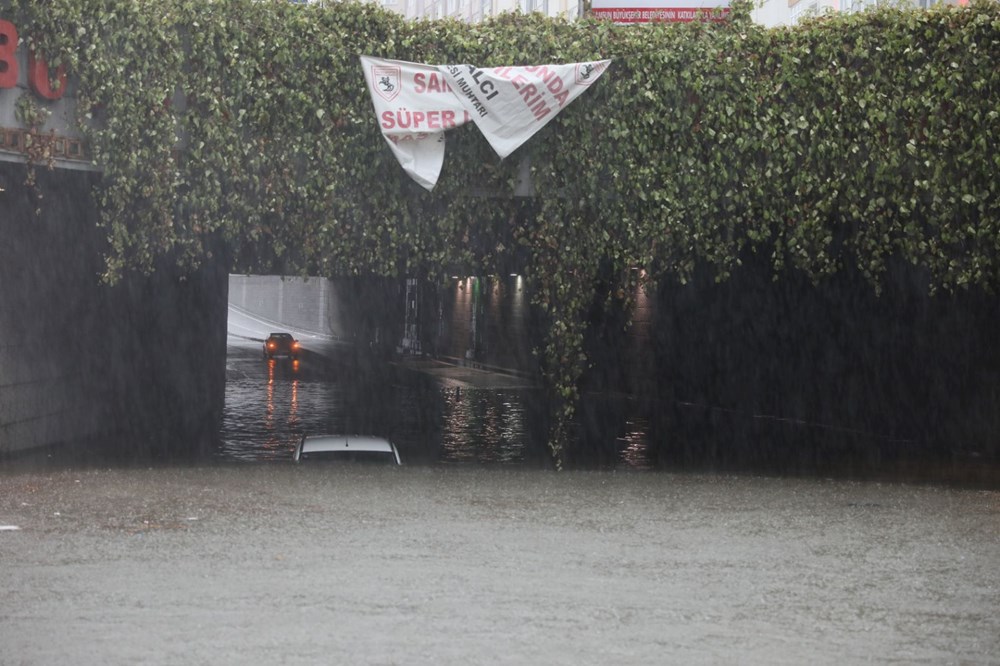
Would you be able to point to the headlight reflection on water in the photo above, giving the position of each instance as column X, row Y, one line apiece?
column 633, row 446
column 482, row 426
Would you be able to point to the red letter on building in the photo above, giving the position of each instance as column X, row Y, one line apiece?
column 8, row 61
column 38, row 78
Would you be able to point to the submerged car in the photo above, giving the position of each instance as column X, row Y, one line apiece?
column 347, row 448
column 281, row 345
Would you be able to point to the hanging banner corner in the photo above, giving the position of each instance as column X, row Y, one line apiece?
column 415, row 104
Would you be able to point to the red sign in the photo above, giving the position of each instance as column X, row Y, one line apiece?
column 651, row 11
column 38, row 70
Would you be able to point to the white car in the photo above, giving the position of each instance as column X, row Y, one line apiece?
column 347, row 448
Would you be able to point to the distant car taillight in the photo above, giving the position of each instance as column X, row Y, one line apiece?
column 271, row 345
column 295, row 345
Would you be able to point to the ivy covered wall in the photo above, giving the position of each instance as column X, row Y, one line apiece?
column 848, row 141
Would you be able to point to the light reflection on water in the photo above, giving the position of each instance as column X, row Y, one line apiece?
column 270, row 405
column 264, row 417
column 483, row 426
column 633, row 446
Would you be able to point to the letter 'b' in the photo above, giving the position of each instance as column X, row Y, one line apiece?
column 8, row 60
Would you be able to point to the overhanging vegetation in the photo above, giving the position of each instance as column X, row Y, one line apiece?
column 845, row 141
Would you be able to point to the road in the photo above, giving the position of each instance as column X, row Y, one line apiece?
column 245, row 327
column 433, row 411
column 283, row 564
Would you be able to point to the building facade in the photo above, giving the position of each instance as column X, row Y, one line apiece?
column 769, row 13
column 773, row 13
column 477, row 10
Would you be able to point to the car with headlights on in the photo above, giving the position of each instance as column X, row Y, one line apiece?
column 281, row 345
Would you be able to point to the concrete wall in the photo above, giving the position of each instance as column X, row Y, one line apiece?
column 755, row 364
column 489, row 321
column 137, row 368
column 367, row 312
column 49, row 265
column 296, row 302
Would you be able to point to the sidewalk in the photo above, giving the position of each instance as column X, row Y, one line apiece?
column 465, row 376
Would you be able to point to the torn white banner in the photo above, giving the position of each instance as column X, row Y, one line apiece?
column 415, row 104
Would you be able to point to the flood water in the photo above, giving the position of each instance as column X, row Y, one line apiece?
column 638, row 410
column 439, row 418
column 271, row 404
column 459, row 565
column 432, row 418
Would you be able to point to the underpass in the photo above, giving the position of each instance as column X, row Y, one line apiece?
column 435, row 412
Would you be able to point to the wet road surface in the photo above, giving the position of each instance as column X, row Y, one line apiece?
column 433, row 412
column 277, row 563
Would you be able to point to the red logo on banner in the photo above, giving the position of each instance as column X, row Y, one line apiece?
column 388, row 81
column 588, row 72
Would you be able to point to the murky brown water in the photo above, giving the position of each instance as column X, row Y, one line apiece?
column 435, row 418
column 267, row 564
column 431, row 418
column 271, row 404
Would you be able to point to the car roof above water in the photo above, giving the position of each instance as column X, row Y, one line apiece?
column 312, row 443
column 346, row 444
